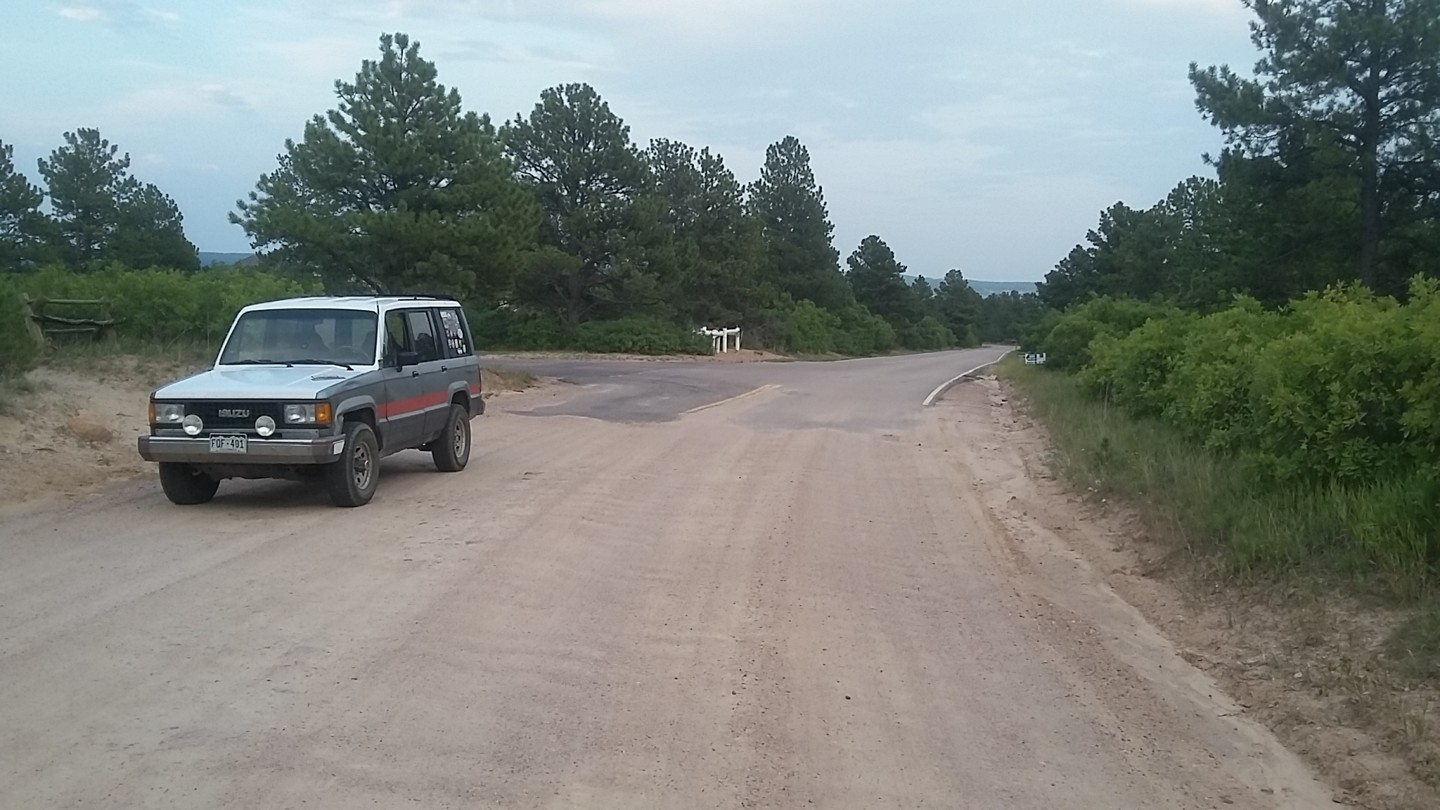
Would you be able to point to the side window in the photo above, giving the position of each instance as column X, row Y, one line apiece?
column 396, row 339
column 422, row 334
column 457, row 344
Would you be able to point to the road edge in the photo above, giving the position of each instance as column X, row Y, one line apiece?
column 945, row 386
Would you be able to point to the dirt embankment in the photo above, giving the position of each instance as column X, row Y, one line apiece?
column 72, row 429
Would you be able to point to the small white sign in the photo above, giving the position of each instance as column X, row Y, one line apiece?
column 1035, row 359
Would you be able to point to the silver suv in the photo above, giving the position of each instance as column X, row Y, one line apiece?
column 320, row 389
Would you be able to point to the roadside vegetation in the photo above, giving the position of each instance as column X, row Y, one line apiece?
column 1253, row 364
column 1302, row 439
column 1273, row 331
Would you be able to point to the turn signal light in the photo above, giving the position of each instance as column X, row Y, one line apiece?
column 322, row 413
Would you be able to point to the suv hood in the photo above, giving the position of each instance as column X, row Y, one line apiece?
column 258, row 382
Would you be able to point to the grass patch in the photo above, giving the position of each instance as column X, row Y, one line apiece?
column 87, row 354
column 497, row 380
column 1361, row 534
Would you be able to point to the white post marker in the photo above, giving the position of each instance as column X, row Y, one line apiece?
column 720, row 338
column 943, row 387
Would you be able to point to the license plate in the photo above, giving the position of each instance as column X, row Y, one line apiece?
column 229, row 444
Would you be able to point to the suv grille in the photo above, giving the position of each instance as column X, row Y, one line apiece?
column 234, row 415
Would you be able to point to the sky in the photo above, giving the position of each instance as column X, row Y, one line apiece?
column 972, row 134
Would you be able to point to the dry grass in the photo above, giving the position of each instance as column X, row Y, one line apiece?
column 495, row 381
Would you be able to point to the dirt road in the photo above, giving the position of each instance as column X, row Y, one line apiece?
column 815, row 593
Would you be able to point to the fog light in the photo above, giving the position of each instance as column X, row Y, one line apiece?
column 193, row 425
column 265, row 426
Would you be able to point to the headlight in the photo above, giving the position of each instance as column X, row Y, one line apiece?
column 265, row 426
column 193, row 425
column 311, row 413
column 166, row 413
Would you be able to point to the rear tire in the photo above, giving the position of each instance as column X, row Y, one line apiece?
column 353, row 478
column 452, row 450
column 185, row 485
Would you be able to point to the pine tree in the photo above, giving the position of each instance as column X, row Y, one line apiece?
column 397, row 189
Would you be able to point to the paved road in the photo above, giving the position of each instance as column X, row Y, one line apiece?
column 800, row 596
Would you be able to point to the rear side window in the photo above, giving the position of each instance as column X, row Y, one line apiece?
column 396, row 340
column 422, row 335
column 457, row 342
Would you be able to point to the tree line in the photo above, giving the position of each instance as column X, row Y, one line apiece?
column 1329, row 174
column 541, row 224
column 1283, row 317
column 98, row 213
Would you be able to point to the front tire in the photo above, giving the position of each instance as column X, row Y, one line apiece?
column 353, row 478
column 452, row 450
column 185, row 485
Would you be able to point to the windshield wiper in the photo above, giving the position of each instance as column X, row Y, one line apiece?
column 311, row 361
column 258, row 363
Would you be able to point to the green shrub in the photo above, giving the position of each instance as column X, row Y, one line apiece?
column 640, row 335
column 1326, row 417
column 1033, row 339
column 1132, row 370
column 862, row 333
column 768, row 328
column 161, row 305
column 1386, row 531
column 1068, row 342
column 18, row 352
column 1329, row 402
column 1420, row 423
column 926, row 335
column 504, row 328
column 1208, row 395
column 811, row 329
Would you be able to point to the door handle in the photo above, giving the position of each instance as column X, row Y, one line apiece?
column 444, row 368
column 414, row 374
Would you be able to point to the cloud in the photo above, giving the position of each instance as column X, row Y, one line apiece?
column 223, row 96
column 321, row 57
column 517, row 53
column 82, row 14
column 703, row 21
column 119, row 14
column 181, row 100
column 1219, row 8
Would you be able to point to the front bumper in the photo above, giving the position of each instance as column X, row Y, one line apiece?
column 260, row 451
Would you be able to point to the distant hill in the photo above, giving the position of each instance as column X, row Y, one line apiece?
column 987, row 287
column 208, row 259
column 992, row 287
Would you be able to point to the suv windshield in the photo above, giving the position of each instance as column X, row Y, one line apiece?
column 343, row 337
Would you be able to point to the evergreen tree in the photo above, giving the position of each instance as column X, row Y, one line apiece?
column 577, row 157
column 716, row 245
column 102, row 214
column 22, row 225
column 1360, row 76
column 876, row 278
column 959, row 306
column 796, row 227
column 397, row 189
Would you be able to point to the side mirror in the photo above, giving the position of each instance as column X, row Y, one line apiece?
column 403, row 359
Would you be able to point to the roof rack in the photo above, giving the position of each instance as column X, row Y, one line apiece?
column 398, row 296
